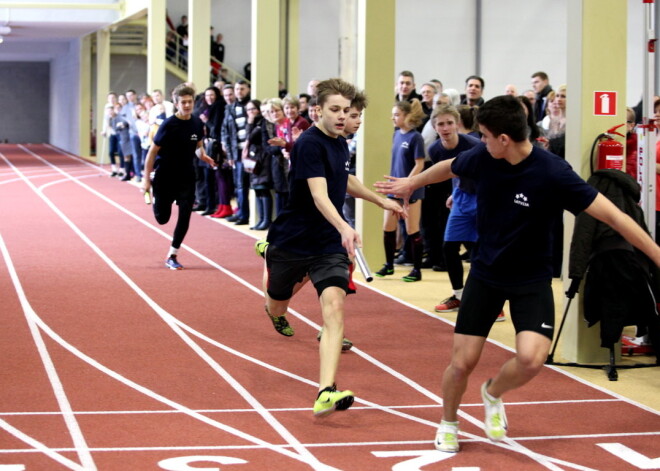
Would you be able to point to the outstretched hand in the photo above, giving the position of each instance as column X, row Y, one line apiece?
column 399, row 187
column 394, row 206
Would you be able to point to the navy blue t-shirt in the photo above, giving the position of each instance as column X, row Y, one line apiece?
column 178, row 140
column 438, row 152
column 301, row 228
column 406, row 149
column 519, row 206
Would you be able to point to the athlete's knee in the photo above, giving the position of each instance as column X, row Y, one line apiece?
column 162, row 217
column 531, row 362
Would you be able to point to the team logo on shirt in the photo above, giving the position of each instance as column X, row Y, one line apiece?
column 347, row 165
column 521, row 199
column 404, row 145
column 194, row 137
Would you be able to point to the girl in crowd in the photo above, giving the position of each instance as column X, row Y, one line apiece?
column 257, row 164
column 279, row 139
column 407, row 160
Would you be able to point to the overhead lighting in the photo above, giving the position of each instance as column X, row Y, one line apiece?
column 5, row 30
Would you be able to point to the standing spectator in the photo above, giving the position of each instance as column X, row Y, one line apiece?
column 511, row 89
column 405, row 87
column 407, row 160
column 428, row 92
column 531, row 96
column 631, row 143
column 234, row 138
column 257, row 164
column 474, row 89
column 177, row 142
column 276, row 144
column 461, row 226
column 159, row 99
column 311, row 87
column 108, row 131
column 223, row 174
column 292, row 113
column 182, row 29
column 219, row 49
column 541, row 86
column 303, row 106
column 121, row 128
column 129, row 112
column 206, row 186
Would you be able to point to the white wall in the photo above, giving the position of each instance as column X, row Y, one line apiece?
column 520, row 38
column 636, row 52
column 435, row 40
column 64, row 98
column 319, row 41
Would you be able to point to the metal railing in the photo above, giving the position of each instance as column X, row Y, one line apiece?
column 131, row 38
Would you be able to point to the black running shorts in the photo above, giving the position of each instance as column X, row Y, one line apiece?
column 286, row 269
column 532, row 307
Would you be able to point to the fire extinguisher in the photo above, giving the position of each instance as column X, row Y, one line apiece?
column 610, row 151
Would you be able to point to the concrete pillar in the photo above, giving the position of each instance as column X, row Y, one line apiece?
column 596, row 62
column 265, row 55
column 102, row 90
column 156, row 45
column 348, row 28
column 376, row 75
column 199, row 43
column 290, row 60
column 85, row 97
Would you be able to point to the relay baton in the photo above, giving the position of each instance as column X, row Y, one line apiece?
column 147, row 197
column 362, row 265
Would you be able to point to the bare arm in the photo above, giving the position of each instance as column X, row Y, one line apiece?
column 604, row 210
column 403, row 187
column 349, row 237
column 202, row 155
column 357, row 190
column 418, row 168
column 149, row 166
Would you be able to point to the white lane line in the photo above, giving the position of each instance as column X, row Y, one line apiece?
column 41, row 448
column 306, row 456
column 507, row 442
column 58, row 389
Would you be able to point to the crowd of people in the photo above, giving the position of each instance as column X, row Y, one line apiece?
column 251, row 140
column 505, row 195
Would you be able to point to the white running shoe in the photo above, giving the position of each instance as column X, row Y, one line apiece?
column 446, row 438
column 495, row 422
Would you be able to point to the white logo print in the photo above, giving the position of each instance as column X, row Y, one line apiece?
column 546, row 326
column 193, row 137
column 521, row 199
column 404, row 145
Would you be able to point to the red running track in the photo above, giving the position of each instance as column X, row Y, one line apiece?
column 112, row 362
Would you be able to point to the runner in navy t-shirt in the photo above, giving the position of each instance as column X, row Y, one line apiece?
column 176, row 144
column 311, row 239
column 521, row 193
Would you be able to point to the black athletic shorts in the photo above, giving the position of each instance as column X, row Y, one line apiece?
column 285, row 269
column 169, row 189
column 400, row 200
column 532, row 307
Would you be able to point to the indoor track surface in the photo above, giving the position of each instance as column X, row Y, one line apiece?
column 110, row 361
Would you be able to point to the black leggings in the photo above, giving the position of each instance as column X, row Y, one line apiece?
column 454, row 263
column 163, row 212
